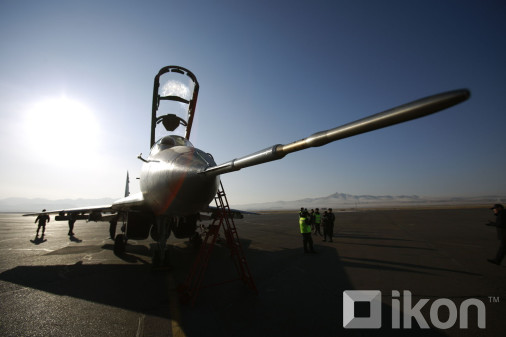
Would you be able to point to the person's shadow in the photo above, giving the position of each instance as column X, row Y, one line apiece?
column 38, row 241
column 75, row 239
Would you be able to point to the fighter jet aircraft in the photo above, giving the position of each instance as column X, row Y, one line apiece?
column 179, row 181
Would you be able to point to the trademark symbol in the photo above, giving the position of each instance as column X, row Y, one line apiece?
column 494, row 299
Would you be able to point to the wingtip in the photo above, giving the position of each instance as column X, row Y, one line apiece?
column 464, row 94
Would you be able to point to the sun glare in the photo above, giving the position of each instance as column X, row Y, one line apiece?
column 62, row 127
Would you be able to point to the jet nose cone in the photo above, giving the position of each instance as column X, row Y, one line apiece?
column 173, row 184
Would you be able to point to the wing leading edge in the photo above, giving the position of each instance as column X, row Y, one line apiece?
column 133, row 202
column 400, row 114
column 90, row 209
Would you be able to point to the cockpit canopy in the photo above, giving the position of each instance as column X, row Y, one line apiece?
column 169, row 141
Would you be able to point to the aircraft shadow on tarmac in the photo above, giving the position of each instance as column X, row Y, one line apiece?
column 384, row 245
column 298, row 294
column 131, row 287
column 350, row 235
column 128, row 255
column 396, row 266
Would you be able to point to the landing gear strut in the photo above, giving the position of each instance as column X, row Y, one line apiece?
column 160, row 252
column 121, row 239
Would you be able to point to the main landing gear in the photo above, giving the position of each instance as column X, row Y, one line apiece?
column 120, row 244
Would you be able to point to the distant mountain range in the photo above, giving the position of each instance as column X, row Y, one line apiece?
column 347, row 201
column 25, row 205
column 336, row 201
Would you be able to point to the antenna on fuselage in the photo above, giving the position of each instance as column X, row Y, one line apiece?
column 173, row 91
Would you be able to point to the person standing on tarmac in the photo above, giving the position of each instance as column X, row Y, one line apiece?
column 500, row 223
column 326, row 226
column 311, row 219
column 305, row 230
column 72, row 221
column 332, row 218
column 317, row 221
column 42, row 219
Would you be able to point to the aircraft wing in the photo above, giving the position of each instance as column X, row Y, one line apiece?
column 235, row 213
column 133, row 202
column 90, row 209
column 400, row 114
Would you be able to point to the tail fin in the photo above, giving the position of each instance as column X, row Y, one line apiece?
column 127, row 189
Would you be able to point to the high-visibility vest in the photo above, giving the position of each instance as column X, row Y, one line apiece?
column 304, row 227
column 317, row 218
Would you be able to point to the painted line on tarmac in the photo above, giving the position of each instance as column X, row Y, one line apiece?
column 175, row 313
column 140, row 326
column 28, row 249
column 8, row 240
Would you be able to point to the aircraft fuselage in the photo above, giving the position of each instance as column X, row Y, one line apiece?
column 171, row 179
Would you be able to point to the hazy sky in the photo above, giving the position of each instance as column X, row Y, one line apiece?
column 76, row 83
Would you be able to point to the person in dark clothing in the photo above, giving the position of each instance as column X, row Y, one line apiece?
column 317, row 221
column 112, row 228
column 500, row 224
column 72, row 220
column 332, row 218
column 326, row 226
column 301, row 211
column 311, row 219
column 42, row 219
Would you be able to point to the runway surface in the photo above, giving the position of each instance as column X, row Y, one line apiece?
column 78, row 287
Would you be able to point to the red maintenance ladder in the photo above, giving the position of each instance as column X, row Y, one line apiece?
column 224, row 219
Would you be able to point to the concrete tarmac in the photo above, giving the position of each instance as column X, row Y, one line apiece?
column 77, row 286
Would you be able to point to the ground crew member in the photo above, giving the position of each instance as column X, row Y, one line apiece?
column 326, row 226
column 112, row 228
column 42, row 219
column 332, row 218
column 305, row 230
column 317, row 221
column 311, row 219
column 500, row 223
column 72, row 221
